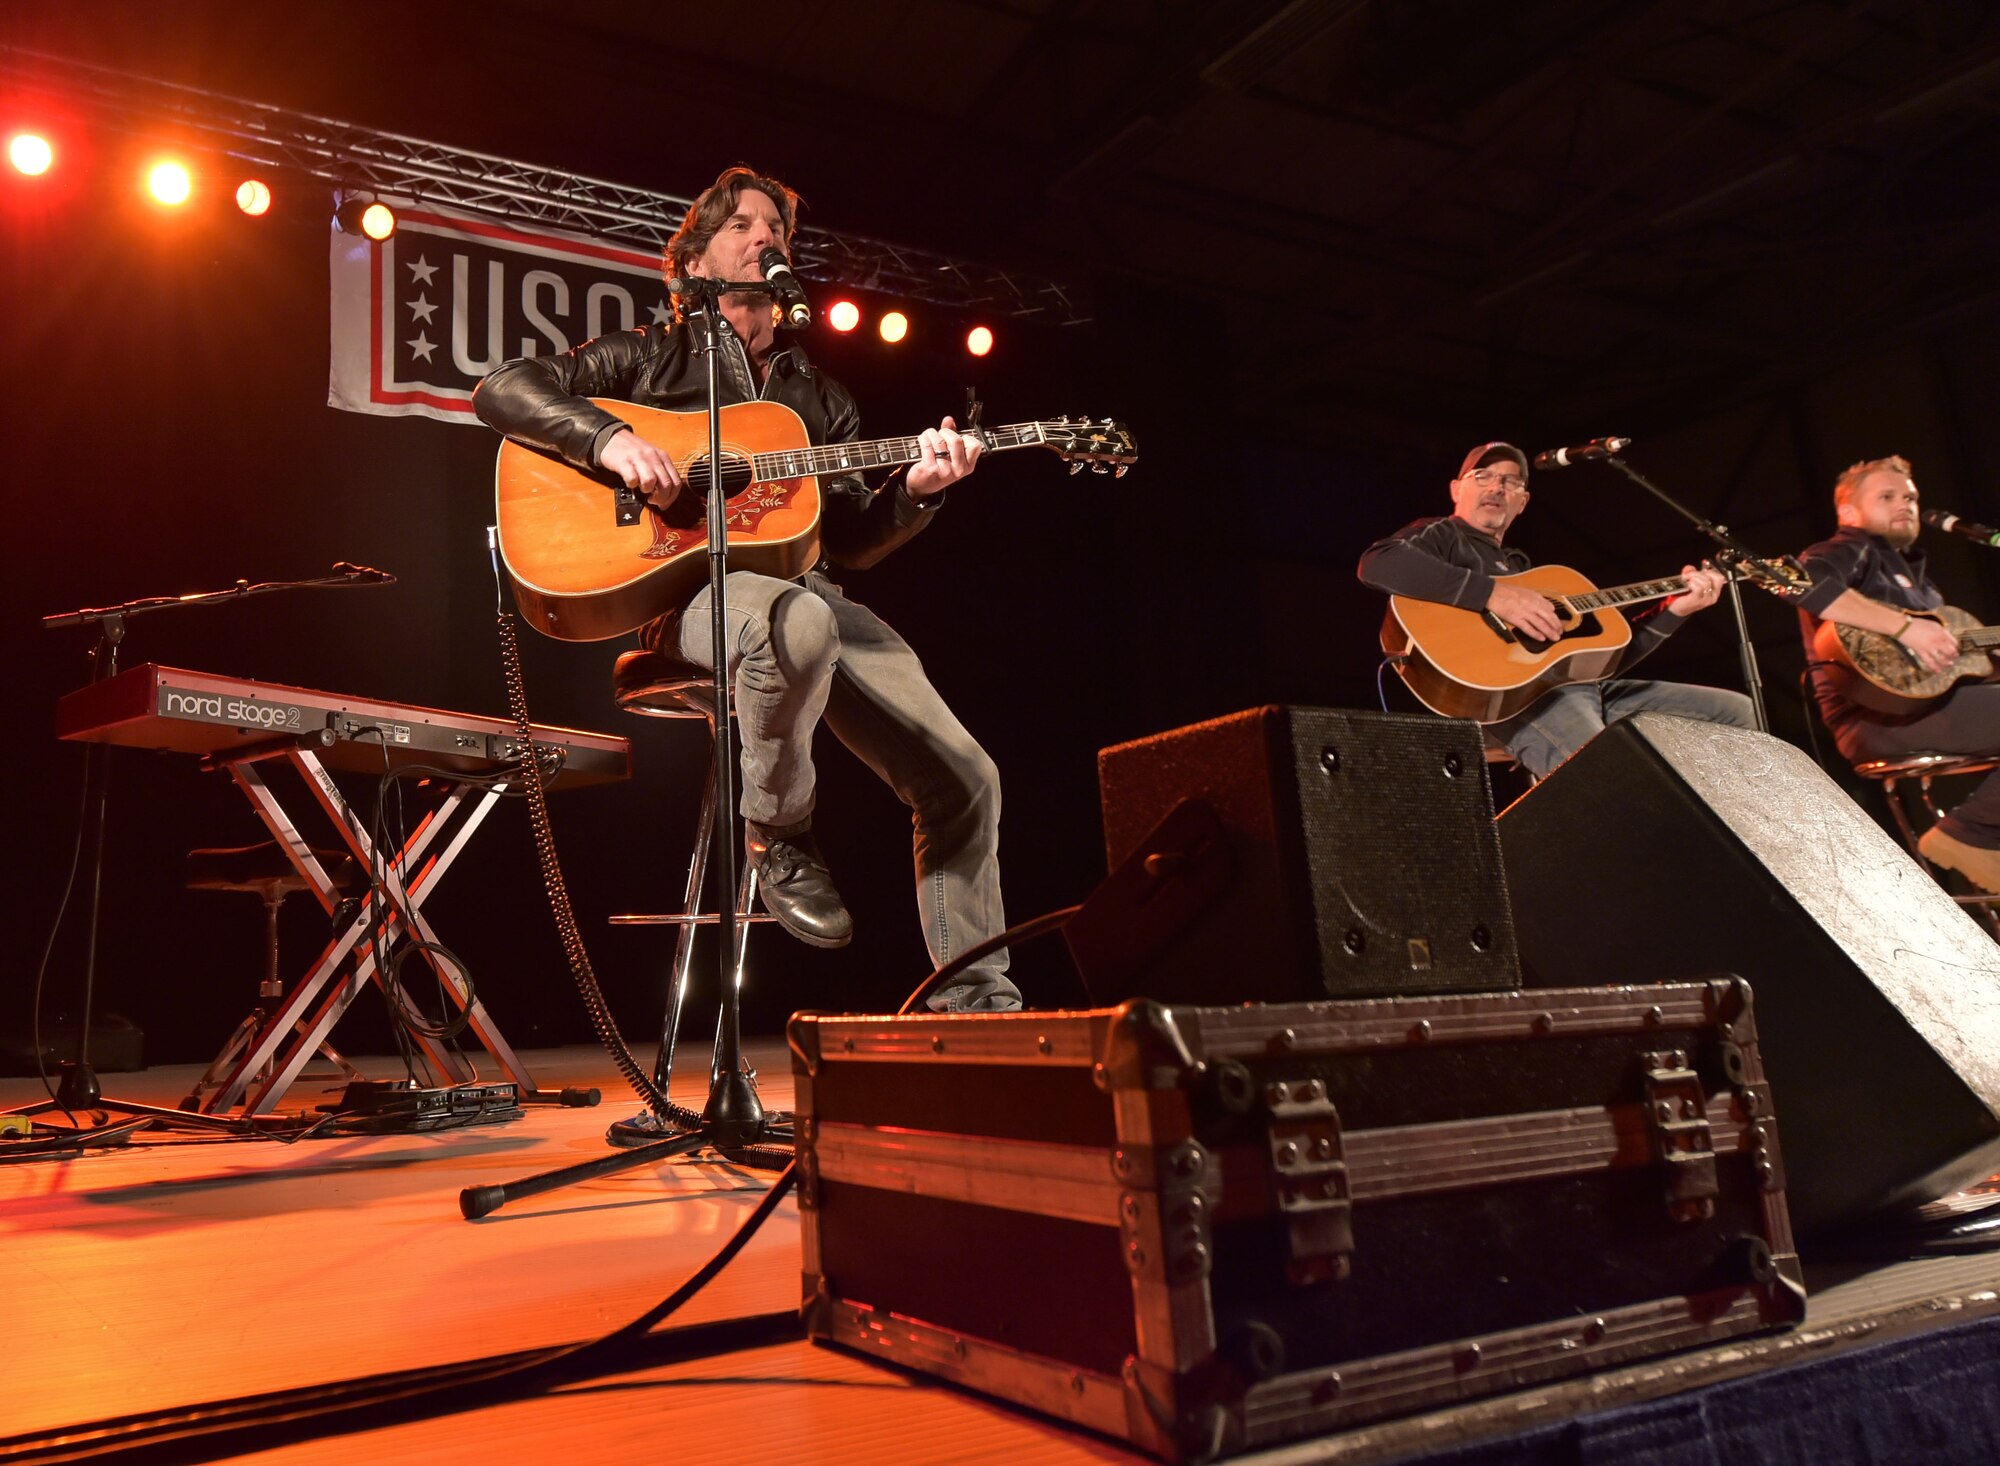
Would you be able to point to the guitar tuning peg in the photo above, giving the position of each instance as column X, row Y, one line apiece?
column 1076, row 468
column 1119, row 471
column 1105, row 420
column 1099, row 468
column 1064, row 418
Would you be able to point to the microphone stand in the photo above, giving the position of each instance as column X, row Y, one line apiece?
column 1733, row 552
column 77, row 1087
column 733, row 1116
column 733, row 1122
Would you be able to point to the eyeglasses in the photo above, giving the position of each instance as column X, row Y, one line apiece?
column 1512, row 482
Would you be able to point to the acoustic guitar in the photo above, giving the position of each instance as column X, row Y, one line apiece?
column 1876, row 671
column 589, row 559
column 1471, row 664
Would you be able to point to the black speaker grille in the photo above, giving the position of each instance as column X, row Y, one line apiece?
column 1367, row 860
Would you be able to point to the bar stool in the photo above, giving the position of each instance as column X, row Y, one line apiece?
column 266, row 871
column 660, row 685
column 1924, row 767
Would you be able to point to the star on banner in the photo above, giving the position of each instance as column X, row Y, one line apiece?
column 422, row 309
column 423, row 346
column 663, row 314
column 422, row 270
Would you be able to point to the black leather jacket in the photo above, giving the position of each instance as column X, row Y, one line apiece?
column 542, row 401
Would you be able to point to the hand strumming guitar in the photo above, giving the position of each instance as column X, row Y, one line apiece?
column 1525, row 610
column 1933, row 647
column 643, row 466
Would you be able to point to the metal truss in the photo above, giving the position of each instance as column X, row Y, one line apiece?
column 351, row 158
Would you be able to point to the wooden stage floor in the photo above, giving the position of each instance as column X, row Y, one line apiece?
column 176, row 1271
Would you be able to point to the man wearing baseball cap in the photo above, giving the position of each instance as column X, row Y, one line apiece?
column 1459, row 560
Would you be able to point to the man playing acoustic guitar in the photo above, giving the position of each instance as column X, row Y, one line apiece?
column 1870, row 576
column 1458, row 560
column 800, row 650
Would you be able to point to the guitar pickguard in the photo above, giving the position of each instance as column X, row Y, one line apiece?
column 676, row 531
column 1589, row 625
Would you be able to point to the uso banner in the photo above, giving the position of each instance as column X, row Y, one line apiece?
column 420, row 317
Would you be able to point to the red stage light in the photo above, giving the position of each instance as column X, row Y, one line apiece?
column 894, row 327
column 843, row 315
column 170, row 183
column 30, row 153
column 253, row 197
column 979, row 341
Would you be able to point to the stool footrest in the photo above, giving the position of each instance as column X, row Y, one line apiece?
column 707, row 919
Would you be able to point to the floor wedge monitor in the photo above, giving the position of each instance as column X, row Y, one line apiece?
column 1349, row 854
column 1669, row 849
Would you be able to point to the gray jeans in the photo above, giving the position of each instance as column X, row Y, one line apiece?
column 803, row 653
column 1561, row 723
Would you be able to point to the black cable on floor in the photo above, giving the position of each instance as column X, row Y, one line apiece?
column 218, row 1428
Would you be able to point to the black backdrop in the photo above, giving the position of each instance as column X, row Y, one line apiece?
column 168, row 382
column 166, row 389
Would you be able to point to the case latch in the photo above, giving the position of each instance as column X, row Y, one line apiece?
column 1309, row 1180
column 1677, row 1117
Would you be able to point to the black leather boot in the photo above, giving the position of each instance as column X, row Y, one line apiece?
column 798, row 889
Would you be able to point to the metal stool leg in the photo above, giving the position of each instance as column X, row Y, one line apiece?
column 677, row 985
column 746, row 896
column 1979, row 906
column 1902, row 817
column 269, row 991
column 273, row 989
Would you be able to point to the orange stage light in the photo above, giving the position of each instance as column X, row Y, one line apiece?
column 895, row 326
column 169, row 183
column 979, row 341
column 253, row 197
column 365, row 216
column 30, row 153
column 843, row 315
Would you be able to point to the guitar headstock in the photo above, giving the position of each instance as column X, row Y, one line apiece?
column 1784, row 576
column 1103, row 446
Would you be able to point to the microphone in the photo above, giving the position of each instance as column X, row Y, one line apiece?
column 367, row 574
column 1950, row 523
column 785, row 285
column 1595, row 448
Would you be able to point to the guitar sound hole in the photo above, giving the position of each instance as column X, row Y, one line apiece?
column 1582, row 626
column 690, row 505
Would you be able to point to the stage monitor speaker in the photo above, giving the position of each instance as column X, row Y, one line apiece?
column 1668, row 848
column 1365, row 861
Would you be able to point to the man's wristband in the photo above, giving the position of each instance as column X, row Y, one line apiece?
column 1897, row 634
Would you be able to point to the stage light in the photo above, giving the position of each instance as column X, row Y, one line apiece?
column 30, row 154
column 169, row 183
column 843, row 315
column 895, row 326
column 371, row 217
column 979, row 341
column 253, row 197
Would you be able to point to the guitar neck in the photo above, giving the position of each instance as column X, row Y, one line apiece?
column 1625, row 595
column 880, row 453
column 1979, row 639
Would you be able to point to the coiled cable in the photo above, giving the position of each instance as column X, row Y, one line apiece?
column 571, row 935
